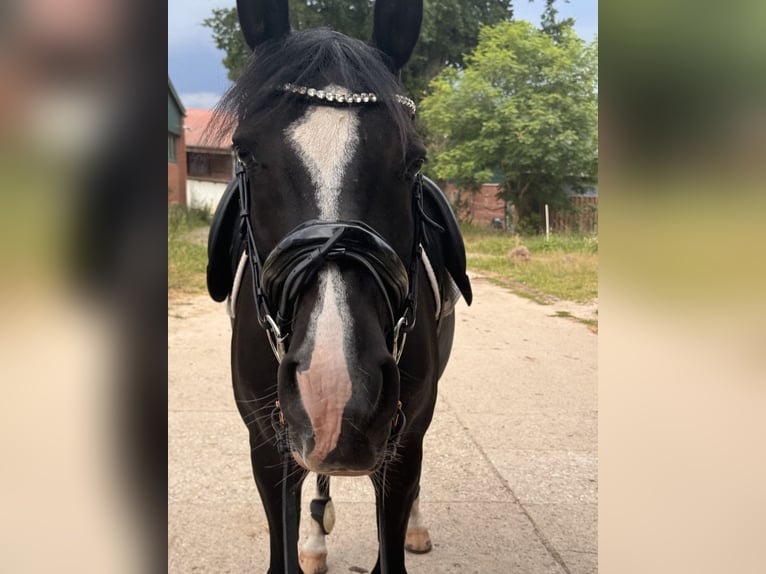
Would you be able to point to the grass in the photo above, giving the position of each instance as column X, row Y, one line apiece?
column 187, row 258
column 563, row 267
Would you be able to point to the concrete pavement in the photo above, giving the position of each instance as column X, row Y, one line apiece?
column 510, row 470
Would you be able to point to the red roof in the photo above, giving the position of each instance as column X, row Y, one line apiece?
column 199, row 135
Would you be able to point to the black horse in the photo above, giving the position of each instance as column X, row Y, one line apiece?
column 331, row 211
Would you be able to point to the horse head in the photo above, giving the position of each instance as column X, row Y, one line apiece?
column 330, row 157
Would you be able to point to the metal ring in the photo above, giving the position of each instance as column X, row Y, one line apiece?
column 397, row 346
column 276, row 340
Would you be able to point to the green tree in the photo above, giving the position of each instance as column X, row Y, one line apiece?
column 228, row 37
column 524, row 107
column 450, row 30
column 552, row 26
column 353, row 17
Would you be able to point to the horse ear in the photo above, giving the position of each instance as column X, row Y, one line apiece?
column 263, row 20
column 396, row 29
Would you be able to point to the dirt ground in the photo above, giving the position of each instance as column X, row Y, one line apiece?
column 510, row 468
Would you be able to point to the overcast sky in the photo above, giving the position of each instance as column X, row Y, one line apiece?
column 194, row 63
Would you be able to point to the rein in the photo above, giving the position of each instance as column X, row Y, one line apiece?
column 291, row 266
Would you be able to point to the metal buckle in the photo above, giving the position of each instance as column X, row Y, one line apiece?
column 399, row 346
column 276, row 340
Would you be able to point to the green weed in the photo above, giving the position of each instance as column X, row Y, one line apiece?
column 187, row 260
column 561, row 267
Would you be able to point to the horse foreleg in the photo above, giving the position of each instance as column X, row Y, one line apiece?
column 418, row 539
column 395, row 500
column 313, row 555
column 267, row 469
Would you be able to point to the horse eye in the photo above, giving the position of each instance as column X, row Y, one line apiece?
column 415, row 166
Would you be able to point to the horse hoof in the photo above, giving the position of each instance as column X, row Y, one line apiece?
column 418, row 541
column 313, row 562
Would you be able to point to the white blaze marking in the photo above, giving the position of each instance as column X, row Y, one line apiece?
column 326, row 386
column 325, row 139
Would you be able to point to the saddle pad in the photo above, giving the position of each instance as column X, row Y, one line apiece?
column 451, row 244
column 225, row 242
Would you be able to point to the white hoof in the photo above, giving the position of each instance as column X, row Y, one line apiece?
column 418, row 540
column 313, row 562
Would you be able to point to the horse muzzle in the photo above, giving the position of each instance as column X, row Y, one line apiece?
column 337, row 426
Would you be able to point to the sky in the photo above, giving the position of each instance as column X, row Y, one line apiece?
column 194, row 63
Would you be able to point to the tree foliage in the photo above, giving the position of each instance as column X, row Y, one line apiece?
column 228, row 37
column 450, row 30
column 524, row 107
column 550, row 24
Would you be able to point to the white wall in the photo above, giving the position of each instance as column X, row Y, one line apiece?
column 204, row 193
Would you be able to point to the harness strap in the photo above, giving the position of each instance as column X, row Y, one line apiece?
column 420, row 220
column 231, row 300
column 400, row 421
column 434, row 284
column 289, row 496
column 261, row 305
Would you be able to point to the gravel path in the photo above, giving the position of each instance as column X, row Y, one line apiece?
column 510, row 470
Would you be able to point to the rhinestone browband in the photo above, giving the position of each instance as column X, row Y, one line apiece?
column 345, row 98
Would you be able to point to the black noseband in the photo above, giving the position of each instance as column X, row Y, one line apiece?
column 299, row 256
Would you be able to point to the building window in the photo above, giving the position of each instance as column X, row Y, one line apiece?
column 199, row 164
column 171, row 148
column 209, row 165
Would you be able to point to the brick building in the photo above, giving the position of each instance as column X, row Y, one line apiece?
column 176, row 148
column 209, row 159
column 482, row 208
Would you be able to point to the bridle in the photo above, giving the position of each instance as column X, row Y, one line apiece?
column 296, row 260
column 299, row 256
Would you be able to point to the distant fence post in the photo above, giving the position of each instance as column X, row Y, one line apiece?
column 547, row 223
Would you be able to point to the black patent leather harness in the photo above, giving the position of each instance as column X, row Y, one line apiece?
column 296, row 260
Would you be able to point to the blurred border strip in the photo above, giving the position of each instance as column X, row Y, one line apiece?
column 682, row 320
column 83, row 286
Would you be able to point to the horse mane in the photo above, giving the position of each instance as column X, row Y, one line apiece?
column 312, row 58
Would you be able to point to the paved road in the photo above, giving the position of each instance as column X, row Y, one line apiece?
column 510, row 469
